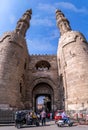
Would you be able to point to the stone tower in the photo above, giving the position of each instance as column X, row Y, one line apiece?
column 14, row 60
column 72, row 58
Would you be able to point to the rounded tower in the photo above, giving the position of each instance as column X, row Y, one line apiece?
column 72, row 58
column 14, row 60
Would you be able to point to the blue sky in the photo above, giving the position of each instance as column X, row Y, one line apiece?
column 43, row 34
column 41, row 99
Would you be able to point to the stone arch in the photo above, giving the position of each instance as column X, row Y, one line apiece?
column 42, row 86
column 43, row 79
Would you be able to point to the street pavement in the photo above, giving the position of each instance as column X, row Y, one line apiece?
column 49, row 126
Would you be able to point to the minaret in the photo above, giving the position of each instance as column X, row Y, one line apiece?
column 72, row 58
column 62, row 22
column 14, row 64
column 23, row 24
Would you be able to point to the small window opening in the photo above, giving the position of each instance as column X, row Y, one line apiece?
column 20, row 87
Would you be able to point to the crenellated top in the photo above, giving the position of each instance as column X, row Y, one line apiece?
column 62, row 22
column 43, row 55
column 24, row 23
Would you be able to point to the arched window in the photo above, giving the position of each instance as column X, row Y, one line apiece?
column 42, row 65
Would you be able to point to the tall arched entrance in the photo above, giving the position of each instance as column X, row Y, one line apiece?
column 45, row 92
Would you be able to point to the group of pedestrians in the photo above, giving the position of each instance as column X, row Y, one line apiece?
column 42, row 117
column 31, row 117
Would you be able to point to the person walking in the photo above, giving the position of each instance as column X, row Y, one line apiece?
column 43, row 117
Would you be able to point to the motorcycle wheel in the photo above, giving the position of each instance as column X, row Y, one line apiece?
column 18, row 126
column 59, row 125
column 70, row 124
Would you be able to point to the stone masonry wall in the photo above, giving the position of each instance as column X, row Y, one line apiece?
column 72, row 56
column 43, row 76
column 13, row 55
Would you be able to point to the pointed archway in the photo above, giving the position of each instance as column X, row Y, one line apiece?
column 43, row 89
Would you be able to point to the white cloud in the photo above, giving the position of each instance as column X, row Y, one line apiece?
column 70, row 6
column 46, row 7
column 65, row 5
column 52, row 35
column 42, row 21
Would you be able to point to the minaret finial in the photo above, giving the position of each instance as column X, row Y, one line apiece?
column 23, row 24
column 62, row 22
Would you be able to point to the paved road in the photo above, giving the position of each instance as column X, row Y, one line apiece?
column 49, row 126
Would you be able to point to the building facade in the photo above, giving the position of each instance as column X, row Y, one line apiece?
column 63, row 78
